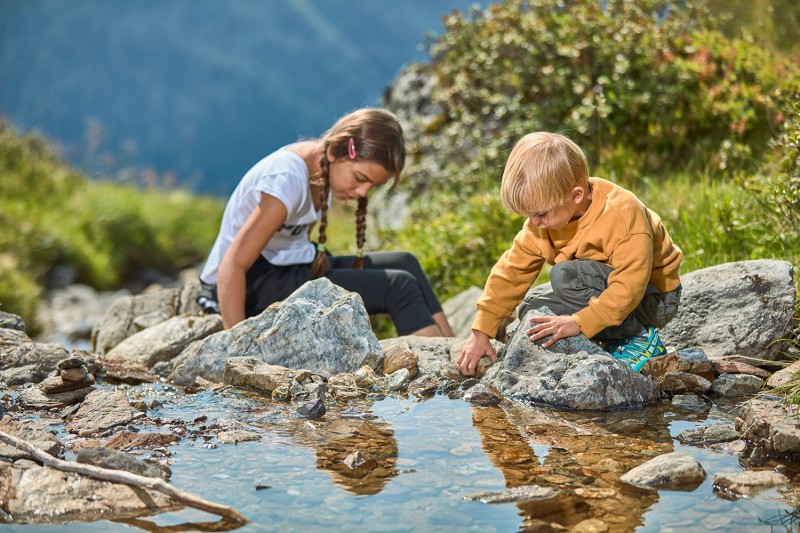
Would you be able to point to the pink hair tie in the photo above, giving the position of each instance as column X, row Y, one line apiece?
column 351, row 148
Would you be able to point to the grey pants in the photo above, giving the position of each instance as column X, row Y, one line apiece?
column 573, row 283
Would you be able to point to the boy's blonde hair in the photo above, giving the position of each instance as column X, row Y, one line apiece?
column 540, row 173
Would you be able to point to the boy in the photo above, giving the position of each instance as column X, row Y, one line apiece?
column 615, row 277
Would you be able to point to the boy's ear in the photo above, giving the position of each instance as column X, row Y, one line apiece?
column 578, row 194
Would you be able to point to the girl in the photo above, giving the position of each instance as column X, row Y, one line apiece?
column 263, row 252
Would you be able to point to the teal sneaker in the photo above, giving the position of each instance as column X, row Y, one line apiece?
column 635, row 351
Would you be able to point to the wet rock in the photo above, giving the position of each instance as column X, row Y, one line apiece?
column 320, row 327
column 460, row 311
column 731, row 366
column 37, row 494
column 127, row 440
column 397, row 379
column 447, row 386
column 671, row 471
column 688, row 360
column 772, row 426
column 708, row 435
column 423, row 386
column 237, row 436
column 735, row 308
column 57, row 384
column 11, row 321
column 784, row 376
column 736, row 384
column 516, row 494
column 101, row 410
column 482, row 394
column 252, row 373
column 313, row 409
column 36, row 435
column 573, row 373
column 737, row 448
column 34, row 398
column 118, row 322
column 17, row 351
column 165, row 340
column 682, row 383
column 747, row 483
column 400, row 356
column 309, row 391
column 128, row 374
column 118, row 460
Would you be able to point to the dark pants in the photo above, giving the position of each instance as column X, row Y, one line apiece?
column 391, row 282
column 574, row 283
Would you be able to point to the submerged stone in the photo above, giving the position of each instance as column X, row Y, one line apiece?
column 516, row 494
column 313, row 409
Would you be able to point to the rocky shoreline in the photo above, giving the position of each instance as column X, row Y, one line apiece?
column 315, row 353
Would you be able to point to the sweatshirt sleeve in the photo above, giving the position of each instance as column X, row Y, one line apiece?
column 509, row 280
column 632, row 261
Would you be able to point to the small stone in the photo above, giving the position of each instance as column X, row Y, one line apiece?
column 689, row 401
column 237, row 436
column 281, row 393
column 71, row 362
column 312, row 409
column 481, row 394
column 400, row 356
column 365, row 377
column 516, row 494
column 78, row 374
column 356, row 459
column 736, row 384
column 747, row 483
column 397, row 379
column 423, row 386
column 262, row 486
column 56, row 384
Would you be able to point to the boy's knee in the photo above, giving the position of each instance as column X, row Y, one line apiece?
column 563, row 276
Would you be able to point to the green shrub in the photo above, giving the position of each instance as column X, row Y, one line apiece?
column 641, row 85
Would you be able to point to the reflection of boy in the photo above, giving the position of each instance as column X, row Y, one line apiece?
column 615, row 277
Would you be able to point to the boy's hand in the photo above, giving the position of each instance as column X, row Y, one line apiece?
column 476, row 347
column 555, row 327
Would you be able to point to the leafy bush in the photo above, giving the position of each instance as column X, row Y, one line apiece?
column 641, row 85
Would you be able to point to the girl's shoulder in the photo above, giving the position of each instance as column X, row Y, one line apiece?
column 281, row 161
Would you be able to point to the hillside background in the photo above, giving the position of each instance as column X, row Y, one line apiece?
column 193, row 93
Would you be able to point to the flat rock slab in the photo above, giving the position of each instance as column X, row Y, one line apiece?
column 165, row 340
column 35, row 435
column 40, row 495
column 735, row 309
column 34, row 398
column 101, row 410
column 747, row 483
column 771, row 425
column 517, row 494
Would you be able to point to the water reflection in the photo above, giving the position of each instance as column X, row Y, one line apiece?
column 580, row 456
column 357, row 450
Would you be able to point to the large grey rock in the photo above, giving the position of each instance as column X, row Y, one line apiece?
column 460, row 311
column 165, row 340
column 120, row 320
column 574, row 373
column 18, row 351
column 735, row 309
column 320, row 327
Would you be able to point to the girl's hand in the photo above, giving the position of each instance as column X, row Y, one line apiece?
column 554, row 327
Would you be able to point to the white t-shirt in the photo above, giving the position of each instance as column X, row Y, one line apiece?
column 284, row 175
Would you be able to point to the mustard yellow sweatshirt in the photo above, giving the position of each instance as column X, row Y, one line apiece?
column 617, row 230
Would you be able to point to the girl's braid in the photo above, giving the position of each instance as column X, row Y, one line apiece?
column 321, row 263
column 361, row 231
